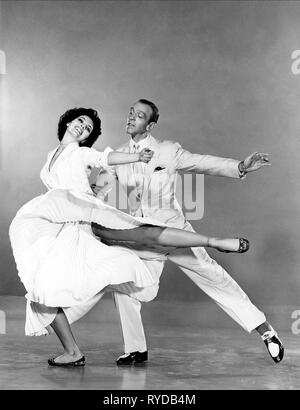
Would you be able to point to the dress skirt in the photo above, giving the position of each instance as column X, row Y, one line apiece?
column 62, row 263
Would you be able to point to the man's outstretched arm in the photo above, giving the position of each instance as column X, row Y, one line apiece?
column 219, row 166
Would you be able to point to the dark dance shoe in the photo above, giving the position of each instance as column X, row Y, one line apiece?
column 274, row 345
column 77, row 363
column 128, row 359
column 244, row 246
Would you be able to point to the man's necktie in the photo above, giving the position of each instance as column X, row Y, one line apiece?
column 138, row 170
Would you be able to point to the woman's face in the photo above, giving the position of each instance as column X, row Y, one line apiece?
column 80, row 128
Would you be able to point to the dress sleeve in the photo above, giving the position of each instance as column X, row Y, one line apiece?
column 95, row 159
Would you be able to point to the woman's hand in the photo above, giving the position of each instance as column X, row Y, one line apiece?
column 145, row 155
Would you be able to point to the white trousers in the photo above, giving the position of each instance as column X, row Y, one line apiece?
column 207, row 274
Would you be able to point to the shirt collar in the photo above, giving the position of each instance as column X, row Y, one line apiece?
column 144, row 143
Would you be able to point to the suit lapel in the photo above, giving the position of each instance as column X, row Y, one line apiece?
column 150, row 167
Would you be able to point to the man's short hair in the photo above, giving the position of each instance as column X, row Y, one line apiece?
column 155, row 113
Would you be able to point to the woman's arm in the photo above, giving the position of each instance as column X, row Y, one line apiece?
column 117, row 158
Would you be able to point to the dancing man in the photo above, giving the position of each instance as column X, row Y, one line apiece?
column 151, row 190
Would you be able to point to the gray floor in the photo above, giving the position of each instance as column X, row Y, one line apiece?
column 181, row 357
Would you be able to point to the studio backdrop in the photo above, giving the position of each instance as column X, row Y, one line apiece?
column 226, row 79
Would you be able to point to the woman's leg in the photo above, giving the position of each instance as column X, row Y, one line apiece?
column 62, row 328
column 156, row 235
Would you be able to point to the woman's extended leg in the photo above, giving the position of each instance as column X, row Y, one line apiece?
column 72, row 353
column 166, row 236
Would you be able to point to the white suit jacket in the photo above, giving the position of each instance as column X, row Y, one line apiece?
column 158, row 195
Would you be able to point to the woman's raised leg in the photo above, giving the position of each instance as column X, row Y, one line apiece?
column 166, row 236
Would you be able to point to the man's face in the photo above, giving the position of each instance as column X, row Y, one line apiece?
column 138, row 119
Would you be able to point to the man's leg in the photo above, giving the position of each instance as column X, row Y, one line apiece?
column 128, row 302
column 208, row 275
column 131, row 323
column 219, row 285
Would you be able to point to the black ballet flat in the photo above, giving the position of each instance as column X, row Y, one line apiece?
column 77, row 363
column 244, row 246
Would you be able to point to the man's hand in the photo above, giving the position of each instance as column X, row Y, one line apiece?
column 254, row 162
column 145, row 155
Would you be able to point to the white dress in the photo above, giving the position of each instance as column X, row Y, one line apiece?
column 59, row 260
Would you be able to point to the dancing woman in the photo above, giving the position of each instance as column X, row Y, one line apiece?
column 59, row 259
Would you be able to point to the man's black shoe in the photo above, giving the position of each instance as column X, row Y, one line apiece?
column 274, row 345
column 128, row 359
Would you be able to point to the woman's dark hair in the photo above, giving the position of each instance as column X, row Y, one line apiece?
column 74, row 113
